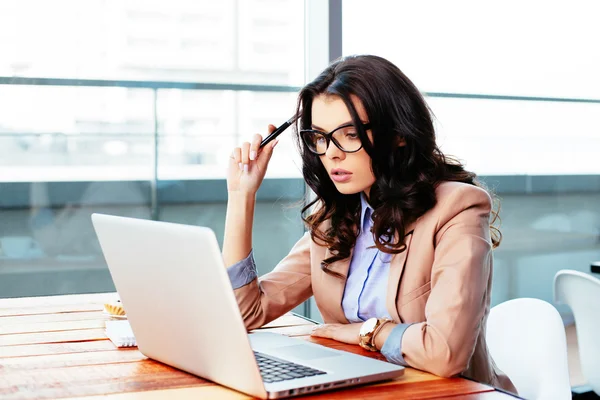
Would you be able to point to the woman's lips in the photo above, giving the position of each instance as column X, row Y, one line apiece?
column 340, row 175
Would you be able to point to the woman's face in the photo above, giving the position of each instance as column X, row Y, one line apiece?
column 350, row 172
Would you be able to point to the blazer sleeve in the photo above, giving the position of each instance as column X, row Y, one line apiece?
column 458, row 301
column 277, row 292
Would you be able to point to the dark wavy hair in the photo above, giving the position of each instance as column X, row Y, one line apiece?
column 406, row 176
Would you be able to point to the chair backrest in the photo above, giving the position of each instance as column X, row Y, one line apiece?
column 582, row 293
column 526, row 339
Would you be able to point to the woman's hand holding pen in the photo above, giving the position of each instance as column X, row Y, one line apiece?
column 248, row 165
column 247, row 168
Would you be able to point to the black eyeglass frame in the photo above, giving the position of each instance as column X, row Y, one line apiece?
column 329, row 138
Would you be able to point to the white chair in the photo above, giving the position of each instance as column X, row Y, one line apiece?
column 526, row 339
column 581, row 292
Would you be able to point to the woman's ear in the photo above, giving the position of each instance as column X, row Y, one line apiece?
column 401, row 142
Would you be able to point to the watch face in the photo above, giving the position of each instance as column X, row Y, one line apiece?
column 368, row 326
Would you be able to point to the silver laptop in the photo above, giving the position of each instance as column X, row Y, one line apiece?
column 179, row 301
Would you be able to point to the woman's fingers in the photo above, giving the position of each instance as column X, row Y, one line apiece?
column 249, row 152
column 254, row 148
column 245, row 155
column 236, row 155
column 322, row 331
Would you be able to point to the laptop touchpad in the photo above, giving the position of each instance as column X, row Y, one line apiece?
column 304, row 352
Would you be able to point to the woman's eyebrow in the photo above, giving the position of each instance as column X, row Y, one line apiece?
column 339, row 126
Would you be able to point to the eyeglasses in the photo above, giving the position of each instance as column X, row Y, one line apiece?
column 344, row 137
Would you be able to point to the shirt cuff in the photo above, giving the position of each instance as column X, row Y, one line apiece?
column 242, row 272
column 392, row 348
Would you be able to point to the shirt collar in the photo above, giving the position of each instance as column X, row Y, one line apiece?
column 366, row 211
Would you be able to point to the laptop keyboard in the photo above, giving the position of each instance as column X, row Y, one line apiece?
column 275, row 370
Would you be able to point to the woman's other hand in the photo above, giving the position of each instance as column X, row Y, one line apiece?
column 248, row 165
column 346, row 333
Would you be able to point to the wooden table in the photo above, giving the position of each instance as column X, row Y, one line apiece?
column 55, row 347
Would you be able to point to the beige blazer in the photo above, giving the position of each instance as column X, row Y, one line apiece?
column 441, row 285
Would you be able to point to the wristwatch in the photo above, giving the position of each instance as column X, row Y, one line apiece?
column 368, row 330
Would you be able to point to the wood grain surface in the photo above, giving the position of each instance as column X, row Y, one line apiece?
column 55, row 347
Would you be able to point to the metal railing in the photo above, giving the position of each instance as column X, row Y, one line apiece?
column 156, row 86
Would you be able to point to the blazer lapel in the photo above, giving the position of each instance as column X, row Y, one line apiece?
column 395, row 275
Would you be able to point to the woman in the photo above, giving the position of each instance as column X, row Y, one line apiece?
column 399, row 250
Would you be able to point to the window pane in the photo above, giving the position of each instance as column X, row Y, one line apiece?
column 531, row 48
column 52, row 133
column 252, row 41
column 503, row 137
column 465, row 54
column 71, row 147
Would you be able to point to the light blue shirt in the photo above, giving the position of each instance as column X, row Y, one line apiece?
column 366, row 285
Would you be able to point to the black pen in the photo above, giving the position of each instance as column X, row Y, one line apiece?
column 278, row 131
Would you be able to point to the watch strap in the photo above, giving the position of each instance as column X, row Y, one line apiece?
column 367, row 340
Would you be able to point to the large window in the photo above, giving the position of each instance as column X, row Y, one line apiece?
column 147, row 52
column 521, row 93
column 242, row 41
column 132, row 108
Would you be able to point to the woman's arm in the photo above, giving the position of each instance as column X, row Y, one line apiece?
column 459, row 297
column 246, row 171
column 274, row 294
column 264, row 299
column 239, row 219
